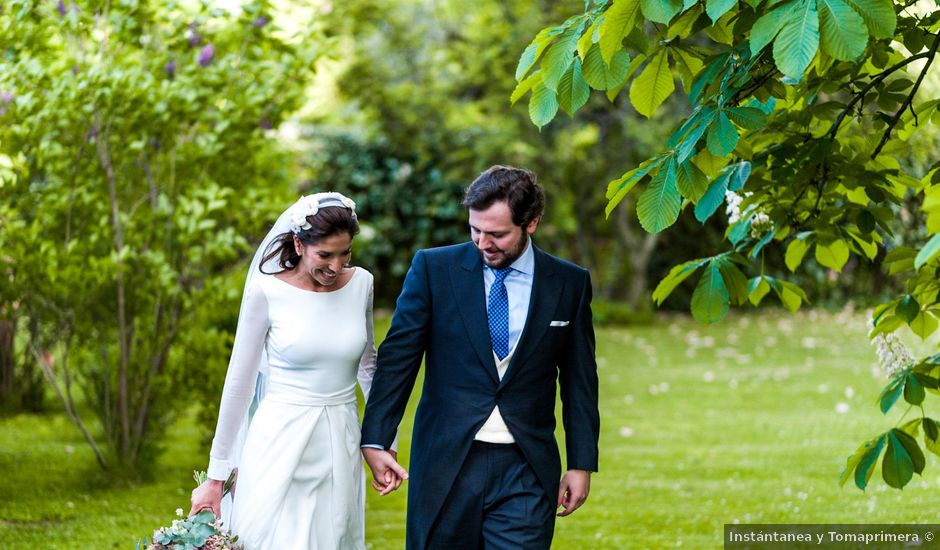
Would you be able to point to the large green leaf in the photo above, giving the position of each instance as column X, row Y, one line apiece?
column 796, row 250
column 757, row 289
column 790, row 295
column 716, row 8
column 691, row 181
column 599, row 75
column 843, row 33
column 913, row 391
column 866, row 466
column 924, row 324
column 687, row 64
column 853, row 461
column 902, row 458
column 619, row 20
column 749, row 118
column 708, row 76
column 768, row 25
column 573, row 91
column 676, row 275
column 931, row 435
column 734, row 280
column 558, row 58
column 878, row 15
column 722, row 136
column 533, row 51
column 798, row 40
column 907, row 308
column 618, row 188
column 712, row 199
column 660, row 11
column 891, row 394
column 653, row 85
column 523, row 87
column 930, row 251
column 832, row 255
column 658, row 206
column 542, row 105
column 682, row 26
column 710, row 300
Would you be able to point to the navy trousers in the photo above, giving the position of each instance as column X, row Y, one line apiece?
column 496, row 503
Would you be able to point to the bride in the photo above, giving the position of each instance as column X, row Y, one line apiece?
column 304, row 336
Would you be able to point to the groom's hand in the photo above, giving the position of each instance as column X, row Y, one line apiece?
column 573, row 490
column 387, row 473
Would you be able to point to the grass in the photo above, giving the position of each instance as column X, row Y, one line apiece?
column 747, row 421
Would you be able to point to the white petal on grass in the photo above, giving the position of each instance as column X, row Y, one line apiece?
column 842, row 407
column 709, row 376
column 626, row 431
column 849, row 392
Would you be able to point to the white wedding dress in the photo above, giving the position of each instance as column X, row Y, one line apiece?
column 300, row 476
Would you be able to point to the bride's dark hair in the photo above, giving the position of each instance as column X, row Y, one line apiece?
column 328, row 221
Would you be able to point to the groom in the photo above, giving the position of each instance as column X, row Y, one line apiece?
column 497, row 321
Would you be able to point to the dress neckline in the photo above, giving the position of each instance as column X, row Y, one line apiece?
column 356, row 271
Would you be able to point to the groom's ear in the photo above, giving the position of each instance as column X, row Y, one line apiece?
column 533, row 225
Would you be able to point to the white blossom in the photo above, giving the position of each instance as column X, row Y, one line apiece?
column 760, row 224
column 733, row 210
column 893, row 355
column 179, row 512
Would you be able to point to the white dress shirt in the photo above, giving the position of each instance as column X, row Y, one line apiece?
column 519, row 289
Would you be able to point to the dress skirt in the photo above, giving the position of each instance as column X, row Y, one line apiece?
column 300, row 482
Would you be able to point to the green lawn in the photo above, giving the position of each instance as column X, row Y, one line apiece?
column 747, row 421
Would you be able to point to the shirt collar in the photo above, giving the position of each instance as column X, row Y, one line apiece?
column 524, row 263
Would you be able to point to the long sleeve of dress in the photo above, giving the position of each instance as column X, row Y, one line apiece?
column 239, row 389
column 367, row 363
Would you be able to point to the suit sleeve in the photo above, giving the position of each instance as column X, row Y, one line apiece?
column 578, row 382
column 399, row 358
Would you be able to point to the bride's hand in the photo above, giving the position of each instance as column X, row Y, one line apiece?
column 207, row 496
column 387, row 473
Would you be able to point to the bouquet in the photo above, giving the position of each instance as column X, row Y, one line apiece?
column 202, row 531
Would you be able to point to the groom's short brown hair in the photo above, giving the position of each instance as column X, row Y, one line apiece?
column 517, row 186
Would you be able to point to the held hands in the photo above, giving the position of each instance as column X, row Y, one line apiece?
column 387, row 473
column 207, row 496
column 573, row 490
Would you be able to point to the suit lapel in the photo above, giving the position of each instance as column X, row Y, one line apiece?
column 546, row 291
column 470, row 296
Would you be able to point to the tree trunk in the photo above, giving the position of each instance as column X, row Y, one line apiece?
column 7, row 362
column 640, row 246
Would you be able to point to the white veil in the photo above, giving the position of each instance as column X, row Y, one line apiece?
column 281, row 226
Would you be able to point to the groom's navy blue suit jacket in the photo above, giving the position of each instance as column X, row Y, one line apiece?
column 441, row 315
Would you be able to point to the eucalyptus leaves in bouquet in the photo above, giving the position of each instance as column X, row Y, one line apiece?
column 202, row 531
column 199, row 532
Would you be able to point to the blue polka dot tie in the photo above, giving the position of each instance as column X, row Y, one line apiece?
column 498, row 313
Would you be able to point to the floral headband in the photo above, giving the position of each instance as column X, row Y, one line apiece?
column 311, row 204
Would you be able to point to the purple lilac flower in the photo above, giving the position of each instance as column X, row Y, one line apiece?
column 266, row 124
column 206, row 55
column 170, row 69
column 60, row 7
column 193, row 36
column 6, row 97
column 261, row 21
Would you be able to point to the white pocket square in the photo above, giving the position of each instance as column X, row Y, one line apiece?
column 558, row 324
